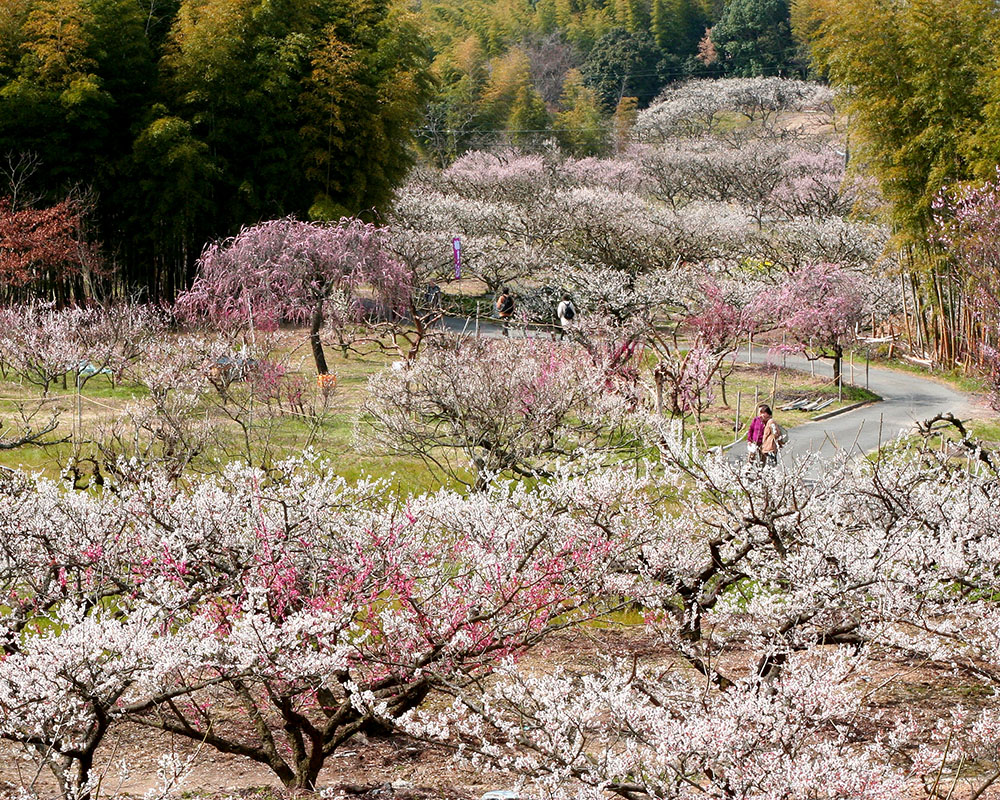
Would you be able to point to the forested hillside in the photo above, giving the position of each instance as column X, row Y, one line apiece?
column 171, row 122
column 525, row 72
column 154, row 126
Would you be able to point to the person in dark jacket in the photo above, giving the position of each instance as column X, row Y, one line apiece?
column 505, row 308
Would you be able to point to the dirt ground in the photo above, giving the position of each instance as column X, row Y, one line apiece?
column 399, row 768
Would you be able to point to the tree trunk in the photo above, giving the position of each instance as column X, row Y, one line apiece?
column 314, row 341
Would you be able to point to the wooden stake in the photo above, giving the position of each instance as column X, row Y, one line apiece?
column 736, row 425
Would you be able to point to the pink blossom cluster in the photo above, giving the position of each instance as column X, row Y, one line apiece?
column 316, row 608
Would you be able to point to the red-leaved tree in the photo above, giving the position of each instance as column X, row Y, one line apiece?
column 290, row 271
column 39, row 247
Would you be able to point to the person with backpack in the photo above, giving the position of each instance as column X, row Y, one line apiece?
column 773, row 438
column 505, row 308
column 566, row 313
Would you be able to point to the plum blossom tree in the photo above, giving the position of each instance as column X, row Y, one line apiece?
column 317, row 608
column 721, row 322
column 209, row 399
column 490, row 407
column 793, row 243
column 74, row 678
column 649, row 731
column 756, row 576
column 113, row 338
column 623, row 297
column 286, row 270
column 686, row 378
column 818, row 307
column 696, row 107
column 488, row 175
column 37, row 343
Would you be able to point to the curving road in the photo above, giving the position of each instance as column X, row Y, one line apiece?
column 906, row 399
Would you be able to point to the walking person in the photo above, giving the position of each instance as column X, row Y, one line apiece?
column 505, row 308
column 772, row 439
column 755, row 435
column 566, row 312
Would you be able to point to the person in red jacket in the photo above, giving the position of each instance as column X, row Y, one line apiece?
column 755, row 436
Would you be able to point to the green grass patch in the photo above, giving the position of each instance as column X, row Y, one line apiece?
column 955, row 378
column 752, row 384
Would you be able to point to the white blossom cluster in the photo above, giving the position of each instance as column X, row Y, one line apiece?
column 780, row 595
column 745, row 173
column 481, row 407
column 700, row 106
column 319, row 608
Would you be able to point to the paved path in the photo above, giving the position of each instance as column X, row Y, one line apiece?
column 906, row 399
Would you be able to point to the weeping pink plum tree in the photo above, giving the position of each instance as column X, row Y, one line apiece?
column 287, row 270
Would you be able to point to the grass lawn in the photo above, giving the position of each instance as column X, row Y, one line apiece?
column 282, row 431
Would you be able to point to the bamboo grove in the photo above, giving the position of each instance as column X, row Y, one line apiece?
column 918, row 80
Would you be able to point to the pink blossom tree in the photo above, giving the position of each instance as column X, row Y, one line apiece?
column 721, row 323
column 818, row 307
column 967, row 225
column 286, row 270
column 318, row 609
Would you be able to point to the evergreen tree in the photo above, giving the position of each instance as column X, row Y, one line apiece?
column 623, row 64
column 677, row 26
column 529, row 119
column 754, row 37
column 916, row 95
column 624, row 121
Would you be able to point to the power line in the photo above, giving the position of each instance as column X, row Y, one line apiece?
column 476, row 131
